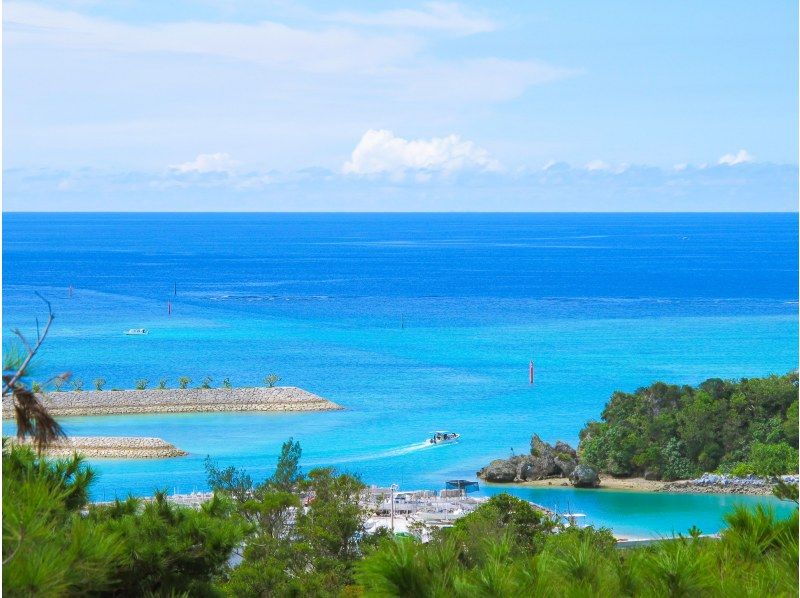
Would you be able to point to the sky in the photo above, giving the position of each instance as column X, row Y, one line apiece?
column 123, row 105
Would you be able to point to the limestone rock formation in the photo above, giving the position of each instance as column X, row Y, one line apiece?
column 584, row 476
column 544, row 461
column 505, row 470
column 565, row 457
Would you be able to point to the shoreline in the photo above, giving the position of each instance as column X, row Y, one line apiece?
column 110, row 447
column 606, row 483
column 641, row 485
column 179, row 400
column 195, row 499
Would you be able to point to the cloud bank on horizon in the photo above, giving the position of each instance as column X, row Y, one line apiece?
column 429, row 106
column 380, row 152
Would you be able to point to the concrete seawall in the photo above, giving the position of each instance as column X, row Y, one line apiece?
column 111, row 447
column 174, row 400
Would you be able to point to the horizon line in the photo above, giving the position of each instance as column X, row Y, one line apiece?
column 395, row 212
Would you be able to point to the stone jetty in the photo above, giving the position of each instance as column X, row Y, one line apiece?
column 111, row 447
column 179, row 400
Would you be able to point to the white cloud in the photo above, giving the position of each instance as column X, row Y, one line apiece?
column 601, row 166
column 204, row 163
column 93, row 90
column 551, row 167
column 349, row 49
column 381, row 152
column 483, row 79
column 266, row 43
column 741, row 157
column 443, row 16
column 770, row 187
column 597, row 165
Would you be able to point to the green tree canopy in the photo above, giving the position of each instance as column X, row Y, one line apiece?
column 676, row 432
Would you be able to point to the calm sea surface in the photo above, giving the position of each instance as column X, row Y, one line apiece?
column 413, row 322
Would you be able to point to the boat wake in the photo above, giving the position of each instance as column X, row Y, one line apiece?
column 385, row 454
column 404, row 450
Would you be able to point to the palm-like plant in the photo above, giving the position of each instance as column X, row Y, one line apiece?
column 755, row 532
column 77, row 384
column 786, row 491
column 206, row 382
column 271, row 380
column 577, row 559
column 162, row 383
column 31, row 415
column 396, row 570
column 142, row 383
column 184, row 381
column 99, row 383
column 678, row 568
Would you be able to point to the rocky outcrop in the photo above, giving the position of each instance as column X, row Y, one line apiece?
column 544, row 461
column 177, row 400
column 566, row 458
column 506, row 470
column 584, row 476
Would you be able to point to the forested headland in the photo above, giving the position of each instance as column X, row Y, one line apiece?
column 666, row 431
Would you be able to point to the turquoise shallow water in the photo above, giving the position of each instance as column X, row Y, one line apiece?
column 413, row 325
column 641, row 514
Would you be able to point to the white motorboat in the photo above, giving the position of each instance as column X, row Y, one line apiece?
column 136, row 331
column 575, row 519
column 443, row 437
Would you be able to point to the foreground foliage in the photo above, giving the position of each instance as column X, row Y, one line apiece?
column 756, row 556
column 54, row 546
column 672, row 432
column 297, row 534
column 292, row 550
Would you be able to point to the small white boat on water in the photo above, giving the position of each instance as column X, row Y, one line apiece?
column 136, row 331
column 443, row 437
column 575, row 519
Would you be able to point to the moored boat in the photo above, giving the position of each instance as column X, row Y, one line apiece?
column 136, row 331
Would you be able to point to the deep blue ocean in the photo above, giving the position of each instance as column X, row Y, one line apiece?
column 413, row 322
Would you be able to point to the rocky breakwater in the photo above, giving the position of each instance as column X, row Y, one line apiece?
column 183, row 400
column 112, row 447
column 544, row 461
column 712, row 483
